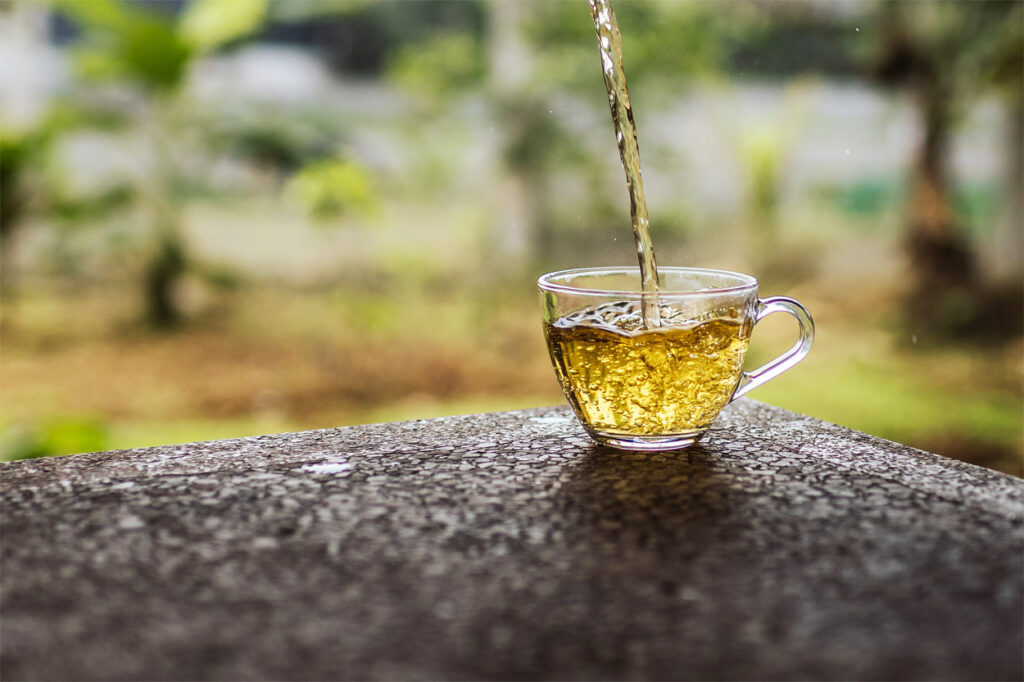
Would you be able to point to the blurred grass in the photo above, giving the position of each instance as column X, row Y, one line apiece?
column 897, row 396
column 962, row 401
column 898, row 406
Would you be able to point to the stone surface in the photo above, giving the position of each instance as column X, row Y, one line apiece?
column 508, row 546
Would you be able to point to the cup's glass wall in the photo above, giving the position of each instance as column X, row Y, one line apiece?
column 637, row 383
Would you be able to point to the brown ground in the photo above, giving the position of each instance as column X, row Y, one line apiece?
column 222, row 365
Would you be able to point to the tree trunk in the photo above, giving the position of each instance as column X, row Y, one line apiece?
column 943, row 270
column 1008, row 254
column 162, row 276
column 168, row 258
column 939, row 256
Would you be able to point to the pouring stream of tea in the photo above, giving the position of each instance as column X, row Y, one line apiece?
column 610, row 42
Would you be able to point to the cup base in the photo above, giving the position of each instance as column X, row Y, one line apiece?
column 642, row 443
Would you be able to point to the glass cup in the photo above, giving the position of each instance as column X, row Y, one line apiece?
column 657, row 384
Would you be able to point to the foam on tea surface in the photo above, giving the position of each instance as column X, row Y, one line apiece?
column 623, row 378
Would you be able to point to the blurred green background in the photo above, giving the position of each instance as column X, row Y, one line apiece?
column 235, row 217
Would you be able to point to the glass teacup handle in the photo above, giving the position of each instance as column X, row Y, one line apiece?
column 764, row 373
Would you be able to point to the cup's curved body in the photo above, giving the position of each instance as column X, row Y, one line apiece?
column 637, row 385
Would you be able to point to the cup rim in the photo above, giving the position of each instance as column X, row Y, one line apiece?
column 545, row 283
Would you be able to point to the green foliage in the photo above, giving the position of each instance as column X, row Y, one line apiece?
column 26, row 173
column 300, row 10
column 128, row 41
column 977, row 204
column 331, row 188
column 763, row 148
column 56, row 436
column 151, row 48
column 773, row 40
column 22, row 156
column 18, row 153
column 207, row 24
column 868, row 197
column 763, row 152
column 440, row 65
column 79, row 209
column 271, row 137
column 662, row 40
column 366, row 36
column 265, row 143
column 536, row 140
column 960, row 47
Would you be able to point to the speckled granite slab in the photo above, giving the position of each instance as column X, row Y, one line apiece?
column 508, row 546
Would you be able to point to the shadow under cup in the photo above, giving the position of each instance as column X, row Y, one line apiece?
column 655, row 377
